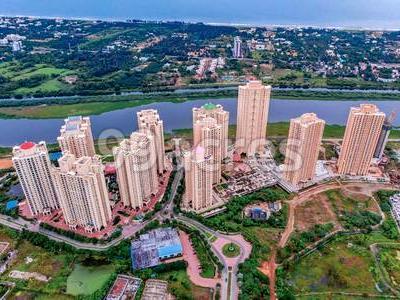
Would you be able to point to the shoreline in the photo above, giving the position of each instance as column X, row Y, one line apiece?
column 214, row 23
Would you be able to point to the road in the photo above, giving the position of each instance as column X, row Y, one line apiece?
column 229, row 288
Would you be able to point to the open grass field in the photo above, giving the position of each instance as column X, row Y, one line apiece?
column 16, row 72
column 344, row 201
column 340, row 266
column 86, row 280
column 40, row 70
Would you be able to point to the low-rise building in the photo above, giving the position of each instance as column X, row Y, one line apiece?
column 262, row 211
column 124, row 287
column 395, row 202
column 156, row 290
column 152, row 248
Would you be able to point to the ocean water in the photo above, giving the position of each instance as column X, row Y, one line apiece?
column 323, row 13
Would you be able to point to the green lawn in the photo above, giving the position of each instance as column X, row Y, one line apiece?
column 231, row 250
column 40, row 70
column 86, row 280
column 52, row 85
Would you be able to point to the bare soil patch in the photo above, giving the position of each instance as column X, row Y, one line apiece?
column 315, row 211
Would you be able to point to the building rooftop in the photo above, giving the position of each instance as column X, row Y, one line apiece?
column 209, row 106
column 27, row 145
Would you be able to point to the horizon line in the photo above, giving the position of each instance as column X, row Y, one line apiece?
column 231, row 24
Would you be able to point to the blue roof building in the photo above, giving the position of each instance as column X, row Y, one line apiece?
column 151, row 248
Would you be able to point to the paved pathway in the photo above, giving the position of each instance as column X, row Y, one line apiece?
column 229, row 287
column 194, row 268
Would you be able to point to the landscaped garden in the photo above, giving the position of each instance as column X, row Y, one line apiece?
column 263, row 235
column 231, row 250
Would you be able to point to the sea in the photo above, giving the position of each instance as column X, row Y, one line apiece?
column 353, row 14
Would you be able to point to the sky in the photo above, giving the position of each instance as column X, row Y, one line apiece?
column 366, row 13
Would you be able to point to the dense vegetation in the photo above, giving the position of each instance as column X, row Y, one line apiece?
column 299, row 241
column 232, row 219
column 389, row 227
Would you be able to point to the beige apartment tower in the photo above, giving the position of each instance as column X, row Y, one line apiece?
column 33, row 167
column 198, row 180
column 252, row 117
column 302, row 149
column 149, row 119
column 218, row 113
column 208, row 135
column 76, row 137
column 363, row 128
column 82, row 191
column 135, row 161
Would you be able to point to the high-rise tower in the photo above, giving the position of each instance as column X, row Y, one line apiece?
column 305, row 135
column 363, row 128
column 76, row 137
column 198, row 180
column 135, row 161
column 33, row 167
column 252, row 117
column 82, row 191
column 149, row 119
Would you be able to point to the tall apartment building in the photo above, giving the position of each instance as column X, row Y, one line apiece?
column 198, row 180
column 135, row 161
column 302, row 149
column 76, row 137
column 82, row 191
column 33, row 167
column 252, row 117
column 149, row 119
column 237, row 48
column 363, row 128
column 218, row 113
column 207, row 134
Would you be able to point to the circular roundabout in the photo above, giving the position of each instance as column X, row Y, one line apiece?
column 231, row 250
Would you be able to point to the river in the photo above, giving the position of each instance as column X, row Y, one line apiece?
column 179, row 115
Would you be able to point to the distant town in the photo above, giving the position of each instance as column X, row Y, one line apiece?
column 43, row 57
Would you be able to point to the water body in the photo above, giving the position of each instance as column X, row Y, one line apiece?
column 342, row 13
column 178, row 115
